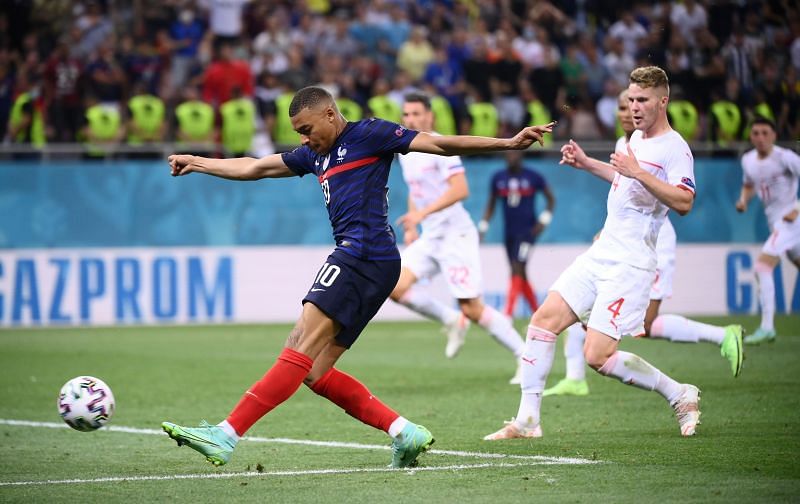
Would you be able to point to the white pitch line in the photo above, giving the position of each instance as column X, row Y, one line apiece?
column 253, row 474
column 540, row 459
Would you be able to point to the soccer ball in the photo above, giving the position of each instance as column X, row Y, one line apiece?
column 86, row 403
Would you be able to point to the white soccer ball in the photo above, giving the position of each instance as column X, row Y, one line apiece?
column 86, row 403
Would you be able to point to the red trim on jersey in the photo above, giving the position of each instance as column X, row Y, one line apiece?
column 685, row 188
column 358, row 163
column 651, row 164
column 522, row 192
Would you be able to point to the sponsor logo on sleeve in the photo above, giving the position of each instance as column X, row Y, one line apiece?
column 688, row 182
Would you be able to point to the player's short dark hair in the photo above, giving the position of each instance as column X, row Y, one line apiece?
column 309, row 97
column 422, row 98
column 650, row 76
column 763, row 120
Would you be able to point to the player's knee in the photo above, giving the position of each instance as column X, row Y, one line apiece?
column 596, row 357
column 764, row 266
column 472, row 309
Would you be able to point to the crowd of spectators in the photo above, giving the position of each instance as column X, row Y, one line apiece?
column 572, row 57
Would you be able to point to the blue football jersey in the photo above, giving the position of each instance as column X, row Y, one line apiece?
column 517, row 191
column 353, row 177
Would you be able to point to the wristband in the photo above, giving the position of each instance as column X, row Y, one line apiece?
column 546, row 217
column 483, row 226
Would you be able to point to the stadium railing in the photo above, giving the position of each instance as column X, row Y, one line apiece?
column 164, row 149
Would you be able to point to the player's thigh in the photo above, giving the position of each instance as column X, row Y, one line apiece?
column 419, row 257
column 576, row 286
column 460, row 261
column 313, row 332
column 621, row 303
column 784, row 238
column 554, row 314
column 406, row 281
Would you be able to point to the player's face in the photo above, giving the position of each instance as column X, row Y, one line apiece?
column 624, row 115
column 646, row 105
column 316, row 127
column 762, row 136
column 417, row 117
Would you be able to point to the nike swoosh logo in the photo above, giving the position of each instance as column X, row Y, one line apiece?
column 317, row 290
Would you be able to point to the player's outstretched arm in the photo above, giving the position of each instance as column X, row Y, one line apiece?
column 455, row 145
column 747, row 193
column 245, row 168
column 680, row 200
column 573, row 155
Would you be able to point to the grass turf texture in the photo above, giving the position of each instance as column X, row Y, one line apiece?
column 746, row 448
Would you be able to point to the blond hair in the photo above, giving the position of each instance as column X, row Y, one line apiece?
column 650, row 76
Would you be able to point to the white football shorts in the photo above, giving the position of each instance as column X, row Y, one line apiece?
column 607, row 296
column 456, row 256
column 784, row 238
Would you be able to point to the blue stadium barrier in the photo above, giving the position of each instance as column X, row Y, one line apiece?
column 137, row 203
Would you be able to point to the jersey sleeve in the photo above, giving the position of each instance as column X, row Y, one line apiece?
column 299, row 160
column 449, row 166
column 791, row 161
column 747, row 180
column 388, row 137
column 680, row 169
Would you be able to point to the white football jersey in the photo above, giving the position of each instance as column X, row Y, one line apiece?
column 427, row 178
column 667, row 242
column 774, row 179
column 635, row 216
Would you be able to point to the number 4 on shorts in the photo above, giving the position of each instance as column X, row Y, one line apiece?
column 615, row 307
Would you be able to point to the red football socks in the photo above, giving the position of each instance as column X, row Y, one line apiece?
column 514, row 290
column 353, row 396
column 278, row 384
column 530, row 296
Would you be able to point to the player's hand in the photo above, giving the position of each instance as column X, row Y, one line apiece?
column 572, row 154
column 626, row 164
column 741, row 206
column 410, row 235
column 527, row 136
column 791, row 216
column 181, row 164
column 410, row 220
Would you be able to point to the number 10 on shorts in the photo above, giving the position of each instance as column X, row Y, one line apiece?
column 327, row 274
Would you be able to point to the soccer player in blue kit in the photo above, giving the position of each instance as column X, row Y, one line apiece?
column 351, row 161
column 517, row 187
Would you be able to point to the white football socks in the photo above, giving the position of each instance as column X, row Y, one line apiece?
column 229, row 430
column 423, row 303
column 537, row 360
column 501, row 329
column 397, row 426
column 633, row 370
column 573, row 351
column 766, row 295
column 682, row 330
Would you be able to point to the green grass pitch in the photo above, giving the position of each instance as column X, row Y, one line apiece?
column 747, row 448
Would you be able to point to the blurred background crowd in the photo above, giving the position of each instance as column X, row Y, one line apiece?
column 133, row 72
